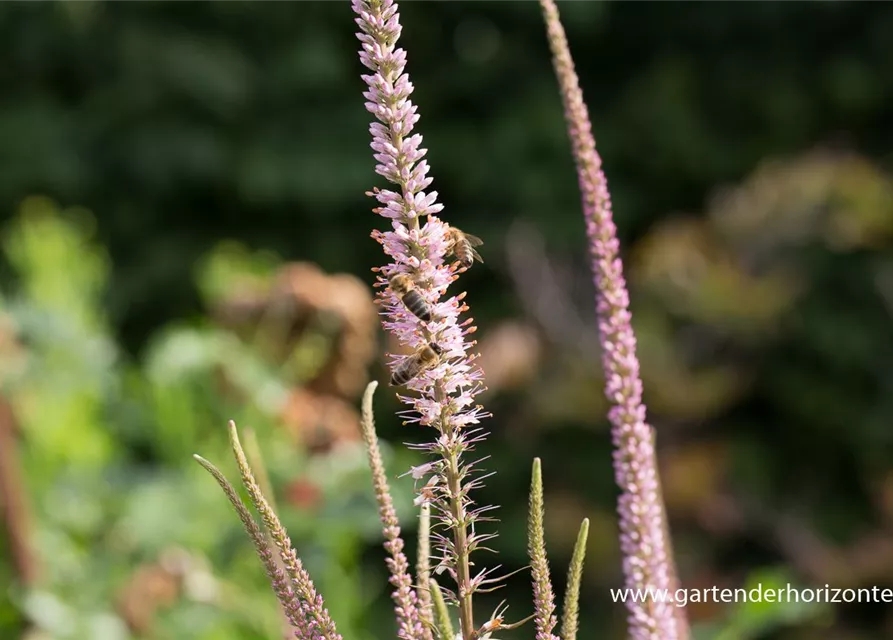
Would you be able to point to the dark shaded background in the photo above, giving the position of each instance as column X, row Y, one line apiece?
column 746, row 145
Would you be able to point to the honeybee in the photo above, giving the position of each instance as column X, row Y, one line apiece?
column 462, row 246
column 425, row 358
column 404, row 288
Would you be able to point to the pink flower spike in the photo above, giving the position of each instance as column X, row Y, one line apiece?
column 644, row 536
column 438, row 371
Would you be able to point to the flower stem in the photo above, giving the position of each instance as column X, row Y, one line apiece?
column 460, row 539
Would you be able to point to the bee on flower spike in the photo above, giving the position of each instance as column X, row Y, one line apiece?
column 411, row 367
column 404, row 288
column 462, row 246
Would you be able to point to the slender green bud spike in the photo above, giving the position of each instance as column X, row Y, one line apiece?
column 441, row 612
column 301, row 581
column 423, row 563
column 571, row 609
column 543, row 596
column 291, row 606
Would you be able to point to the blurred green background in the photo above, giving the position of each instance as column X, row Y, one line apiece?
column 186, row 240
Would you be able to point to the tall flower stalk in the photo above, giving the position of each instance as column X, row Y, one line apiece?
column 418, row 245
column 645, row 543
column 426, row 256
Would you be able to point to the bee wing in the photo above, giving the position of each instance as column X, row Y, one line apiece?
column 474, row 241
column 477, row 256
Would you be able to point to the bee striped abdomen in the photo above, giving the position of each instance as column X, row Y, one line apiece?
column 462, row 246
column 417, row 305
column 401, row 375
column 412, row 366
column 404, row 288
column 465, row 254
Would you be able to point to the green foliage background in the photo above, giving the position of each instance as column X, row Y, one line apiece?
column 765, row 314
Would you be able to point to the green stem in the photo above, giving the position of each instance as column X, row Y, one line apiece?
column 460, row 539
